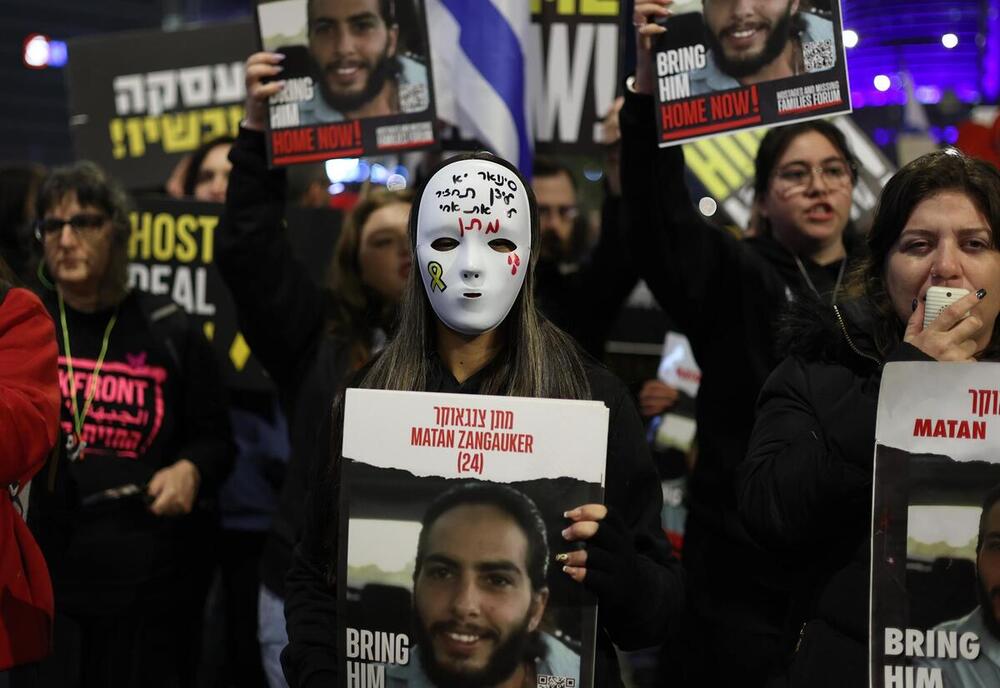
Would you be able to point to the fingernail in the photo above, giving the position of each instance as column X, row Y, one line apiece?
column 562, row 557
column 280, row 56
column 279, row 68
column 565, row 533
column 913, row 306
column 980, row 294
column 565, row 569
column 572, row 513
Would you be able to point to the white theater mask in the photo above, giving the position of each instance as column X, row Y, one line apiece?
column 473, row 243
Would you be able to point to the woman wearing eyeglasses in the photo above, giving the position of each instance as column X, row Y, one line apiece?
column 726, row 295
column 805, row 488
column 144, row 433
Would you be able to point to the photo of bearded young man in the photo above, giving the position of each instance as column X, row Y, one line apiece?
column 359, row 61
column 480, row 595
column 751, row 41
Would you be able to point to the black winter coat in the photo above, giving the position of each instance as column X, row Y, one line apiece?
column 284, row 316
column 726, row 295
column 805, row 489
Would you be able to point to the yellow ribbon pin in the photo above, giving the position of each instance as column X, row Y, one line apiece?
column 435, row 270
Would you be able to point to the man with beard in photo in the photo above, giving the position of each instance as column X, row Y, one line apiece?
column 750, row 41
column 479, row 595
column 984, row 620
column 359, row 72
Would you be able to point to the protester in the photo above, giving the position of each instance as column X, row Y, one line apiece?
column 581, row 288
column 207, row 174
column 146, row 435
column 29, row 416
column 468, row 324
column 725, row 294
column 18, row 185
column 805, row 489
column 308, row 338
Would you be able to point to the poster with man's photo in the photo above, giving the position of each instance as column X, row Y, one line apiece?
column 357, row 78
column 935, row 602
column 719, row 69
column 450, row 522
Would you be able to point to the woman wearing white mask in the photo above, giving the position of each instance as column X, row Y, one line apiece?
column 470, row 326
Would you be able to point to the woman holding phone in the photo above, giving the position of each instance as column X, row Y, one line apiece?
column 726, row 295
column 805, row 488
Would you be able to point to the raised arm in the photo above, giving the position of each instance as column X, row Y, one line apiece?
column 281, row 310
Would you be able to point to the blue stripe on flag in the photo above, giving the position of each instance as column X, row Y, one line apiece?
column 493, row 48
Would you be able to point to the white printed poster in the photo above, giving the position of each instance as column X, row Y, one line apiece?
column 935, row 603
column 450, row 521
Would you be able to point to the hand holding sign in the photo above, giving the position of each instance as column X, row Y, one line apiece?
column 646, row 29
column 259, row 67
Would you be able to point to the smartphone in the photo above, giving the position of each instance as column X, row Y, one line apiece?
column 939, row 298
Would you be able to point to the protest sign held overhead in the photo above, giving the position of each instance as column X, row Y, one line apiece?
column 141, row 100
column 355, row 84
column 935, row 619
column 462, row 487
column 716, row 72
column 578, row 72
column 172, row 251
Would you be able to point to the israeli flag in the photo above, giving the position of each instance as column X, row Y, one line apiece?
column 479, row 53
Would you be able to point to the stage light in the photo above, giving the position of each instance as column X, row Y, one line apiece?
column 949, row 40
column 36, row 51
column 850, row 38
column 342, row 170
column 57, row 54
column 882, row 82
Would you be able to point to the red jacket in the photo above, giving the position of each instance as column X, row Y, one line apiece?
column 29, row 424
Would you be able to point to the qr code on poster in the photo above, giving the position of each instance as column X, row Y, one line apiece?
column 818, row 55
column 546, row 681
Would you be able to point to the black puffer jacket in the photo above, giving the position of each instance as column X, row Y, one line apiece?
column 804, row 491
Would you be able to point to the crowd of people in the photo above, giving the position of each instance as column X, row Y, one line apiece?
column 119, row 560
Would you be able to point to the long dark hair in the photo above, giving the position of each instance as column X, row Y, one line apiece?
column 926, row 176
column 357, row 308
column 776, row 142
column 538, row 360
column 198, row 157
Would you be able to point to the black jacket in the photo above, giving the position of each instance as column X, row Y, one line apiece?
column 586, row 301
column 284, row 317
column 631, row 488
column 805, row 489
column 161, row 399
column 726, row 295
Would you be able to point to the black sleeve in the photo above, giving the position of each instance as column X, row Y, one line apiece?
column 691, row 266
column 633, row 490
column 281, row 310
column 310, row 659
column 606, row 280
column 807, row 470
column 207, row 441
